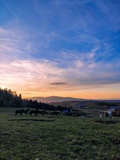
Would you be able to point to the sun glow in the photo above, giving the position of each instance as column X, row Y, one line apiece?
column 60, row 48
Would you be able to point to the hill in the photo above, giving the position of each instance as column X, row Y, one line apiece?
column 55, row 99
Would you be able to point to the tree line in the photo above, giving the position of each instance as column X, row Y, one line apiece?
column 9, row 98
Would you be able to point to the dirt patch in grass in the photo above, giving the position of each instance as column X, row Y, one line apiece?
column 107, row 121
column 116, row 141
column 41, row 120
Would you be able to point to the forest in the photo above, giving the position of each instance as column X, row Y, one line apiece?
column 9, row 98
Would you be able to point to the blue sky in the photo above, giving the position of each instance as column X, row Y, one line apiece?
column 60, row 47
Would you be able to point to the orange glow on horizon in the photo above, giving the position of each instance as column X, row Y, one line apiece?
column 86, row 95
column 83, row 94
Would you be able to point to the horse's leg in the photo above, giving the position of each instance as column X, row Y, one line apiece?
column 21, row 113
column 27, row 113
column 16, row 113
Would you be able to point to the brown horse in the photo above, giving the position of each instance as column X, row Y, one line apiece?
column 116, row 113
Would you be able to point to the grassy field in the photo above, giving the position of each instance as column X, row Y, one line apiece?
column 58, row 138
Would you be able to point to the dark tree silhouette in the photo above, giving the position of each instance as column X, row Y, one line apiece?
column 9, row 98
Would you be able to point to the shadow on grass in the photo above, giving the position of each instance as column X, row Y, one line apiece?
column 25, row 119
column 107, row 121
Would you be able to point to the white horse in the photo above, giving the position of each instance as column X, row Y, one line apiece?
column 105, row 113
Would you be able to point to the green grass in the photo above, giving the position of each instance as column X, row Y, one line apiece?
column 57, row 138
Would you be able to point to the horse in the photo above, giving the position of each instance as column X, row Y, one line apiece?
column 105, row 113
column 116, row 113
column 55, row 113
column 20, row 112
column 26, row 111
column 34, row 112
column 42, row 112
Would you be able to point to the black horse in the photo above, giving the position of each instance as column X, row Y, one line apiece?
column 26, row 111
column 42, row 112
column 35, row 112
column 55, row 113
column 20, row 112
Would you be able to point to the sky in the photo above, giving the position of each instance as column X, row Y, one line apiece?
column 68, row 48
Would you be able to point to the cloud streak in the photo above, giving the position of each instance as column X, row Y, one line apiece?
column 58, row 83
column 38, row 76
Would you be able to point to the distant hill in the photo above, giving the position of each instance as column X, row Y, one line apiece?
column 55, row 99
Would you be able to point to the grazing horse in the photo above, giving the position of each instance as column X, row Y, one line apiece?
column 116, row 113
column 55, row 113
column 20, row 112
column 26, row 111
column 105, row 113
column 42, row 112
column 34, row 112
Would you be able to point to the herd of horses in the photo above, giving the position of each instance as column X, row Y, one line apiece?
column 35, row 112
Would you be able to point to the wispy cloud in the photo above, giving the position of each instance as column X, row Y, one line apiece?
column 12, row 44
column 60, row 45
column 39, row 75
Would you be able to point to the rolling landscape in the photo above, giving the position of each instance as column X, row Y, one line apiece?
column 77, row 134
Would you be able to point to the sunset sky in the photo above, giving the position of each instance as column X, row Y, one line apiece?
column 68, row 48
